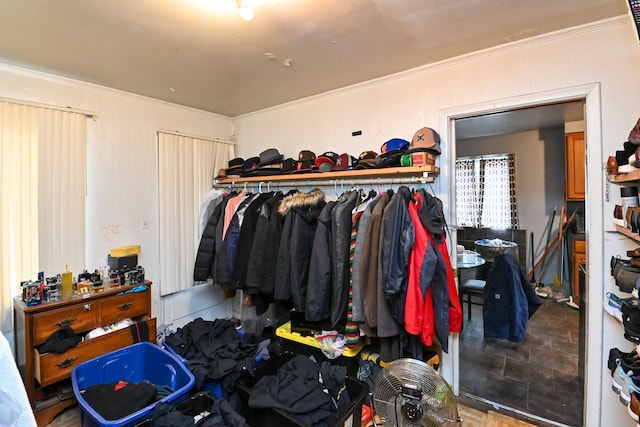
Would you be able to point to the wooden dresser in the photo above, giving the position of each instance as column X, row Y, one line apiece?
column 37, row 323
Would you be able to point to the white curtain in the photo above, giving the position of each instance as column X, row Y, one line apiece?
column 187, row 166
column 42, row 194
column 486, row 192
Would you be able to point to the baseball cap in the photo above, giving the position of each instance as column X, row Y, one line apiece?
column 394, row 144
column 345, row 161
column 326, row 161
column 307, row 155
column 425, row 139
column 366, row 160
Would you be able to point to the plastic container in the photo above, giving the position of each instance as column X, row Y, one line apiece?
column 309, row 346
column 357, row 390
column 67, row 284
column 197, row 406
column 135, row 363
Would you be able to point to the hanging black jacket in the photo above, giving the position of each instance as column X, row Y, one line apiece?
column 318, row 300
column 397, row 236
column 264, row 250
column 301, row 212
column 206, row 249
column 245, row 241
column 340, row 241
column 219, row 272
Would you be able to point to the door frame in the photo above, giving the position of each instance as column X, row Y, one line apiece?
column 594, row 227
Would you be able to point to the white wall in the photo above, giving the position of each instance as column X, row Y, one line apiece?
column 605, row 53
column 122, row 173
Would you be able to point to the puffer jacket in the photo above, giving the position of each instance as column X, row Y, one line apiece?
column 203, row 267
column 340, row 242
column 300, row 212
column 318, row 301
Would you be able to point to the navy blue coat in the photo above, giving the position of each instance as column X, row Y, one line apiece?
column 509, row 300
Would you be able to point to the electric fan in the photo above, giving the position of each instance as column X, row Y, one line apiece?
column 409, row 392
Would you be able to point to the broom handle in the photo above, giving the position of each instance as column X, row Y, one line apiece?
column 552, row 244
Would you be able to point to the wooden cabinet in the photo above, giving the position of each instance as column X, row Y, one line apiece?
column 37, row 323
column 579, row 251
column 575, row 166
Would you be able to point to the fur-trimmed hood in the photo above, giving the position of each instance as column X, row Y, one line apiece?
column 301, row 201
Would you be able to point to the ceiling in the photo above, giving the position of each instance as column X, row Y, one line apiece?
column 190, row 53
column 520, row 120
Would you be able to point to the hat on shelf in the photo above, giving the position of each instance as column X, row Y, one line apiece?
column 270, row 156
column 250, row 165
column 391, row 153
column 345, row 162
column 306, row 155
column 234, row 165
column 394, row 144
column 326, row 161
column 366, row 160
column 634, row 135
column 425, row 139
column 304, row 166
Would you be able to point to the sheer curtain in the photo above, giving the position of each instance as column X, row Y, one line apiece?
column 43, row 173
column 486, row 192
column 187, row 166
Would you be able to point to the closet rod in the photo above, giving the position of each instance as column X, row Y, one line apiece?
column 326, row 183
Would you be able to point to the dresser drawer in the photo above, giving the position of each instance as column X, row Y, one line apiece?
column 80, row 317
column 122, row 306
column 53, row 367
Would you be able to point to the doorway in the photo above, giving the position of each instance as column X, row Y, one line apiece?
column 488, row 112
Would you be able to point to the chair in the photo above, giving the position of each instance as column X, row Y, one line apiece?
column 470, row 288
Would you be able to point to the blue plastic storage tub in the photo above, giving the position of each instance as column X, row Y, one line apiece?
column 135, row 363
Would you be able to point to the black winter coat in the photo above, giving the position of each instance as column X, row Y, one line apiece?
column 264, row 250
column 206, row 249
column 292, row 270
column 245, row 241
column 318, row 301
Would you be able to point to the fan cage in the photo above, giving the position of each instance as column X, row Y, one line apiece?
column 394, row 398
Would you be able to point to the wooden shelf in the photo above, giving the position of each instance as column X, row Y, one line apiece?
column 628, row 233
column 402, row 172
column 626, row 177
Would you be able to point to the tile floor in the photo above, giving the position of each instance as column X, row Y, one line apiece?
column 539, row 376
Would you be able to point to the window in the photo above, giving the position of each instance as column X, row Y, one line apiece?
column 42, row 195
column 187, row 166
column 486, row 192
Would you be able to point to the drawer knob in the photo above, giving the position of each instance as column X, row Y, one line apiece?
column 125, row 306
column 86, row 307
column 66, row 363
column 66, row 322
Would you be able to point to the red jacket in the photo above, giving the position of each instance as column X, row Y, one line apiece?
column 432, row 306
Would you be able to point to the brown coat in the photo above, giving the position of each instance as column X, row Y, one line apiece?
column 369, row 266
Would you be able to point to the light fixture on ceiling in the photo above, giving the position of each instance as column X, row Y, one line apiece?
column 244, row 9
